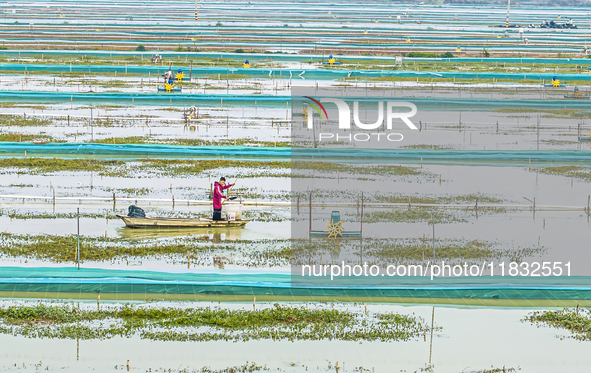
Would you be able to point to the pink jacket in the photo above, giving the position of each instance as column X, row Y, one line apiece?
column 217, row 195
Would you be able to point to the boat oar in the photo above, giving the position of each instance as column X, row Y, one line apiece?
column 228, row 195
column 229, row 189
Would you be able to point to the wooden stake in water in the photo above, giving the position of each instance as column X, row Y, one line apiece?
column 254, row 302
column 78, row 238
column 310, row 227
column 433, row 217
column 361, row 228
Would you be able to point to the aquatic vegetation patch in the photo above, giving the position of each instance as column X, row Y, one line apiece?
column 201, row 248
column 202, row 324
column 494, row 370
column 549, row 113
column 413, row 215
column 245, row 368
column 23, row 121
column 119, row 168
column 575, row 320
column 427, row 146
column 22, row 105
column 128, row 192
column 416, row 250
column 180, row 167
column 382, row 170
column 189, row 142
column 147, row 167
column 387, row 251
column 577, row 172
column 15, row 214
column 20, row 137
column 430, row 199
column 34, row 165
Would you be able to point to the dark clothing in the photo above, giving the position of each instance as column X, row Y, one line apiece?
column 217, row 214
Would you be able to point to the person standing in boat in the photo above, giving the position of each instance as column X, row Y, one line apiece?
column 218, row 196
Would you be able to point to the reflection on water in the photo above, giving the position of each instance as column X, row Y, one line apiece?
column 216, row 234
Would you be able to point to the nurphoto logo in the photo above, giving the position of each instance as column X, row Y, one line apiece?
column 345, row 113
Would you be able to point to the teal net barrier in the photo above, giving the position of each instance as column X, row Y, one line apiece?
column 221, row 100
column 71, row 283
column 319, row 74
column 498, row 157
column 254, row 57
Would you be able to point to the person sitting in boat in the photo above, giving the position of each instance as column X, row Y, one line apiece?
column 218, row 196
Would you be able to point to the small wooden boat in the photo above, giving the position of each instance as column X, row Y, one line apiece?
column 179, row 222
